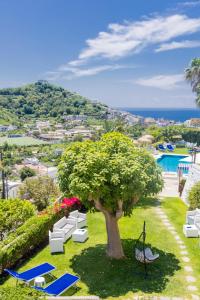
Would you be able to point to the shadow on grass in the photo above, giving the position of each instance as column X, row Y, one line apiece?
column 106, row 277
column 147, row 202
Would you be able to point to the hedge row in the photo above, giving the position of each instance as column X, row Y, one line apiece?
column 20, row 293
column 31, row 235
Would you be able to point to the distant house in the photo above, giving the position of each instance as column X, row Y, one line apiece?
column 12, row 188
column 75, row 117
column 149, row 121
column 15, row 135
column 40, row 125
column 3, row 128
column 195, row 122
column 52, row 136
column 58, row 126
column 31, row 160
column 82, row 131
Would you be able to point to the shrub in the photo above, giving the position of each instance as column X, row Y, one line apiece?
column 13, row 213
column 20, row 293
column 31, row 235
column 70, row 204
column 26, row 172
column 39, row 190
column 194, row 196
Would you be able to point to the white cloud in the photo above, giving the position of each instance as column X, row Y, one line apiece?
column 190, row 3
column 178, row 45
column 124, row 39
column 78, row 72
column 165, row 82
column 68, row 72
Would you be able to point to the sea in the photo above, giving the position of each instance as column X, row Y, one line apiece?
column 178, row 115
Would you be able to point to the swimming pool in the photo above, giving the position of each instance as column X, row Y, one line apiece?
column 169, row 163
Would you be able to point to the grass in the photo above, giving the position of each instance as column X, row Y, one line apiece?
column 176, row 211
column 181, row 150
column 21, row 141
column 111, row 279
column 176, row 151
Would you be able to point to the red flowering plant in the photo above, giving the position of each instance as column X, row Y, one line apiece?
column 70, row 204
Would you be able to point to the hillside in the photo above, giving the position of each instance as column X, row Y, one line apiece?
column 42, row 100
column 6, row 117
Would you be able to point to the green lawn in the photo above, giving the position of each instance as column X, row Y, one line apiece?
column 123, row 279
column 181, row 150
column 21, row 141
column 176, row 211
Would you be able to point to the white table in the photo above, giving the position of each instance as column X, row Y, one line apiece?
column 39, row 281
column 80, row 235
column 190, row 231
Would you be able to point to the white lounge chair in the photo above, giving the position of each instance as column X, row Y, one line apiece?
column 56, row 241
column 66, row 225
column 190, row 216
column 79, row 217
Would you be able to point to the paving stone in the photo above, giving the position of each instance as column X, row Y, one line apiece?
column 192, row 288
column 160, row 213
column 195, row 297
column 190, row 279
column 188, row 268
column 173, row 232
column 182, row 246
column 177, row 238
column 166, row 223
column 184, row 252
column 185, row 259
column 180, row 242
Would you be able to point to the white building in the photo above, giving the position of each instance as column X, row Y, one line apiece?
column 31, row 161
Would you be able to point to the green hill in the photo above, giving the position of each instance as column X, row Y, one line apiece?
column 6, row 117
column 44, row 100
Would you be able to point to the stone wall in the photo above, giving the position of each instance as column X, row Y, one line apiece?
column 193, row 177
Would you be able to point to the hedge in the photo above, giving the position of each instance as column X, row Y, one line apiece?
column 194, row 196
column 20, row 293
column 28, row 237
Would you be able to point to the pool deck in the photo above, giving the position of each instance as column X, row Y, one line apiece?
column 170, row 185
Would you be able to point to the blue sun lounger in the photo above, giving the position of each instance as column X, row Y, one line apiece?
column 30, row 274
column 161, row 147
column 170, row 147
column 60, row 285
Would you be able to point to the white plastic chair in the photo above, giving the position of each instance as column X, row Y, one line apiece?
column 79, row 217
column 56, row 241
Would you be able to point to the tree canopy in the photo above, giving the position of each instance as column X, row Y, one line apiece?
column 192, row 74
column 112, row 175
column 13, row 213
column 40, row 190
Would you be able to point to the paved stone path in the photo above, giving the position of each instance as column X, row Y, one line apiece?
column 189, row 278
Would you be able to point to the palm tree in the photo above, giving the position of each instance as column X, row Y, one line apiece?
column 192, row 74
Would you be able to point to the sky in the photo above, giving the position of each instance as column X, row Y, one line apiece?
column 125, row 53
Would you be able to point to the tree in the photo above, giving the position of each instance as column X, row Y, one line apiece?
column 40, row 190
column 26, row 172
column 112, row 175
column 13, row 213
column 192, row 74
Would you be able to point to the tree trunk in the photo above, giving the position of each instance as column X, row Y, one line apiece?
column 114, row 246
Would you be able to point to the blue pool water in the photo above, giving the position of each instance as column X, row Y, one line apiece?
column 169, row 163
